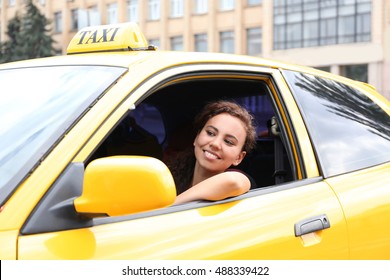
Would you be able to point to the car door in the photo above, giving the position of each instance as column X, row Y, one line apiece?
column 299, row 219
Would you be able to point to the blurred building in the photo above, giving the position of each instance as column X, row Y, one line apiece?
column 347, row 37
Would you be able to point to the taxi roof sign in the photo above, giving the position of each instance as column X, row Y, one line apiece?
column 113, row 37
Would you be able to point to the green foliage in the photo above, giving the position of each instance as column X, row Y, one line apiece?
column 27, row 36
column 7, row 48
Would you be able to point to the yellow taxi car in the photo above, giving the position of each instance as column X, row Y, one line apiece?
column 86, row 139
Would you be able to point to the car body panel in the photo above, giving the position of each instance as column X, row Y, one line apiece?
column 8, row 244
column 260, row 227
column 365, row 196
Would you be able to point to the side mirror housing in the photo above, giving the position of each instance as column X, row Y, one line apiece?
column 123, row 185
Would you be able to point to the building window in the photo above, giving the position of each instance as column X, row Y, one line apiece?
column 307, row 23
column 94, row 16
column 200, row 42
column 357, row 72
column 176, row 43
column 177, row 8
column 88, row 17
column 132, row 10
column 254, row 2
column 58, row 22
column 254, row 41
column 200, row 6
column 226, row 40
column 112, row 13
column 74, row 25
column 42, row 2
column 154, row 9
column 363, row 22
column 11, row 3
column 226, row 5
column 154, row 42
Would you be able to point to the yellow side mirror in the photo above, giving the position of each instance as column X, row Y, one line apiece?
column 124, row 185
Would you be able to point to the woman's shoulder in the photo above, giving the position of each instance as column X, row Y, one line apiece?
column 252, row 181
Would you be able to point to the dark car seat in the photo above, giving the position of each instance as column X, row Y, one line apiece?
column 131, row 139
column 268, row 163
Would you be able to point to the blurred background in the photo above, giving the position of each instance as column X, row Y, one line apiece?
column 345, row 37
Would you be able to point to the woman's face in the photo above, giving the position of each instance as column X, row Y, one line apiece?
column 219, row 144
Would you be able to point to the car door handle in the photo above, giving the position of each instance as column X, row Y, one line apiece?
column 312, row 224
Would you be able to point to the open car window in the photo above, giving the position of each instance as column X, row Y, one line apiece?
column 161, row 125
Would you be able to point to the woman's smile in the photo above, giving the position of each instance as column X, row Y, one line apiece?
column 211, row 155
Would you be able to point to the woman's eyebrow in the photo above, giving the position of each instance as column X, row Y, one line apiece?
column 213, row 127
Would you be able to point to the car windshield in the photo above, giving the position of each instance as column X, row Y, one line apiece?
column 38, row 105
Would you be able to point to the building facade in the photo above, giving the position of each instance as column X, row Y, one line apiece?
column 346, row 37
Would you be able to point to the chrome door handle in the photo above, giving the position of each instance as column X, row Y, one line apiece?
column 312, row 224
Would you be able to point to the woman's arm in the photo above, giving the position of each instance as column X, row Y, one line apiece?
column 221, row 186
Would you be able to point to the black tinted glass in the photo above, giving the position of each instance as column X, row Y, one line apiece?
column 349, row 131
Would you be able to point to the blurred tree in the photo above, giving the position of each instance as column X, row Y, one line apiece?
column 28, row 36
column 7, row 48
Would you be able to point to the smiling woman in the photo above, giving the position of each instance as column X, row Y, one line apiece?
column 225, row 133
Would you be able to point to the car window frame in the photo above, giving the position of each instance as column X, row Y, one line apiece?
column 164, row 78
column 272, row 77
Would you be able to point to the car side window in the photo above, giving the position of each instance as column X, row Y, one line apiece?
column 349, row 131
column 161, row 125
column 164, row 125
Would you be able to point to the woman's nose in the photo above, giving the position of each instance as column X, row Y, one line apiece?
column 215, row 144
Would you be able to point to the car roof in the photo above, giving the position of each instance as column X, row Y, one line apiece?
column 125, row 45
column 160, row 59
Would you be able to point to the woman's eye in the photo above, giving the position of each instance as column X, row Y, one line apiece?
column 210, row 133
column 230, row 143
